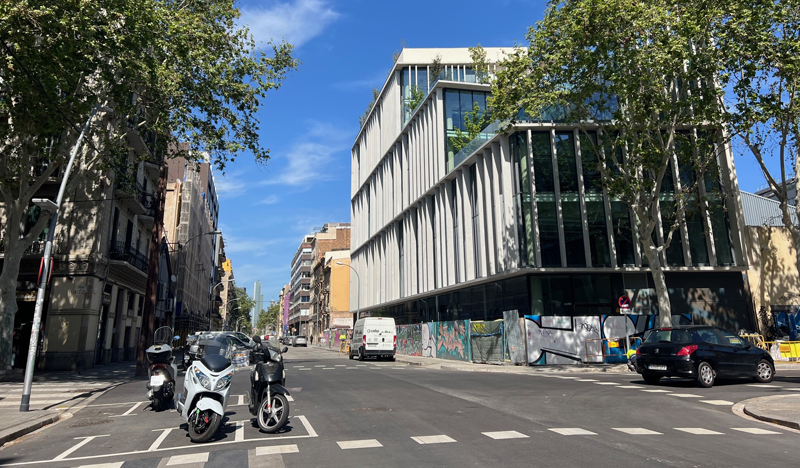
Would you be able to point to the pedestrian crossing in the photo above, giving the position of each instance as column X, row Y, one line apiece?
column 53, row 395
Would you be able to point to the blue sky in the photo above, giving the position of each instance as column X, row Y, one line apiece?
column 310, row 124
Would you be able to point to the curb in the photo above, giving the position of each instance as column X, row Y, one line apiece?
column 16, row 434
column 769, row 419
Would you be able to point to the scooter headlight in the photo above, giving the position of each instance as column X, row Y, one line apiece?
column 224, row 381
column 202, row 378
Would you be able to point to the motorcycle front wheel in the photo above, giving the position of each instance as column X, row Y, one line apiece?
column 272, row 420
column 204, row 426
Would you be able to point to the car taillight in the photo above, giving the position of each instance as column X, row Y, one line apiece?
column 394, row 341
column 687, row 350
column 364, row 340
column 638, row 351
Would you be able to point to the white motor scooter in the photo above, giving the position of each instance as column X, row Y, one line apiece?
column 206, row 388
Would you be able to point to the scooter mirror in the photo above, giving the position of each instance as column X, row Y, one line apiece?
column 284, row 350
column 176, row 337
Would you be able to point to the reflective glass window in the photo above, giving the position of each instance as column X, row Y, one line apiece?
column 623, row 233
column 545, row 199
column 570, row 201
column 522, row 198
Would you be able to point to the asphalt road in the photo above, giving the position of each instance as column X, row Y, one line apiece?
column 349, row 413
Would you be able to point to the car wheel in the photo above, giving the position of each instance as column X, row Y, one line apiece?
column 765, row 371
column 350, row 356
column 705, row 375
column 360, row 354
column 651, row 379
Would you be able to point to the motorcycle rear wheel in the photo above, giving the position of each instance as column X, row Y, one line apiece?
column 271, row 421
column 200, row 431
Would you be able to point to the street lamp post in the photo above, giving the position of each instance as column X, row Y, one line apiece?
column 48, row 247
column 358, row 289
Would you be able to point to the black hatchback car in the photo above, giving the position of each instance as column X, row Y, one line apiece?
column 701, row 353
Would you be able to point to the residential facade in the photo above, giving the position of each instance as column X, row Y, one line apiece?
column 300, row 289
column 512, row 222
column 329, row 294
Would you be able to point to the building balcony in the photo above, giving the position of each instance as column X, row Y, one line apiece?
column 122, row 255
column 135, row 198
column 34, row 250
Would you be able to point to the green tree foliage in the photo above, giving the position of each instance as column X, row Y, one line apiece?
column 268, row 318
column 181, row 70
column 631, row 72
column 759, row 43
column 479, row 63
column 415, row 96
column 240, row 307
column 436, row 68
column 475, row 122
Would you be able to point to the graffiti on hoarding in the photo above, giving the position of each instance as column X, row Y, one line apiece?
column 409, row 339
column 452, row 340
column 429, row 339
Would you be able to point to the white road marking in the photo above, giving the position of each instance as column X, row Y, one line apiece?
column 112, row 404
column 351, row 367
column 188, row 458
column 157, row 443
column 34, row 402
column 571, row 431
column 328, row 368
column 698, row 431
column 606, row 383
column 80, row 444
column 657, row 391
column 763, row 385
column 276, row 449
column 505, row 435
column 629, row 386
column 685, row 395
column 583, row 380
column 717, row 402
column 309, row 429
column 636, row 431
column 289, row 398
column 320, row 366
column 133, row 408
column 239, row 437
column 357, row 444
column 303, row 369
column 434, row 439
column 566, row 377
column 104, row 465
column 340, row 365
column 755, row 430
column 793, row 389
column 398, row 368
column 241, row 401
column 361, row 365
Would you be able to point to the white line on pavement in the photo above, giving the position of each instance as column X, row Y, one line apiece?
column 763, row 385
column 717, row 402
column 239, row 431
column 434, row 439
column 685, row 395
column 104, row 465
column 636, row 431
column 241, row 400
column 133, row 408
column 80, row 444
column 188, row 458
column 657, row 391
column 303, row 369
column 583, row 380
column 698, row 431
column 755, row 430
column 606, row 383
column 571, row 431
column 505, row 435
column 157, row 443
column 276, row 449
column 629, row 386
column 358, row 444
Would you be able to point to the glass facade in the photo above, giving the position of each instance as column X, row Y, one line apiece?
column 570, row 199
column 463, row 111
column 545, row 199
column 522, row 198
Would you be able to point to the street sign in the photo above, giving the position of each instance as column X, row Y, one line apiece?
column 624, row 304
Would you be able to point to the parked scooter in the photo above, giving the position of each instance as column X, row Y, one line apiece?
column 268, row 402
column 191, row 350
column 162, row 371
column 206, row 388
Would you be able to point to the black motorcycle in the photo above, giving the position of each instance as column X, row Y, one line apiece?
column 268, row 402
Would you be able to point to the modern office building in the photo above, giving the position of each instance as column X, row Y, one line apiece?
column 258, row 299
column 514, row 221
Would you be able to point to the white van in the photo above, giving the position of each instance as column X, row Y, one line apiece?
column 374, row 336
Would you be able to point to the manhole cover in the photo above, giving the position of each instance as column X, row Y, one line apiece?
column 92, row 422
column 371, row 410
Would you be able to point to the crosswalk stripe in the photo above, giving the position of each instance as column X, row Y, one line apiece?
column 587, row 380
column 276, row 449
column 629, row 386
column 104, row 465
column 755, row 430
column 303, row 369
column 499, row 435
column 606, row 383
column 717, row 402
column 636, row 431
column 434, row 439
column 698, row 431
column 685, row 395
column 571, row 431
column 793, row 389
column 188, row 458
column 763, row 385
column 656, row 391
column 357, row 444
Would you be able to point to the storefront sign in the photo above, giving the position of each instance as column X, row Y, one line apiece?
column 339, row 322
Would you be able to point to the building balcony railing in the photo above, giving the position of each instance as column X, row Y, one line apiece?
column 34, row 250
column 120, row 251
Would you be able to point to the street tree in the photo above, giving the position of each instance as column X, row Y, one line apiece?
column 629, row 75
column 241, row 306
column 268, row 318
column 181, row 70
column 759, row 42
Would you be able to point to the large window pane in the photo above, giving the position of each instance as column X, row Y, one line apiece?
column 452, row 109
column 598, row 235
column 674, row 253
column 570, row 202
column 422, row 79
column 551, row 295
column 592, row 177
column 466, row 108
column 623, row 233
column 546, row 199
column 522, row 198
column 697, row 234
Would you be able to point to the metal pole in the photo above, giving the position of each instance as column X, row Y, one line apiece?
column 48, row 247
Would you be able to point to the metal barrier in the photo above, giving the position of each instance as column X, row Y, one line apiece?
column 600, row 349
column 754, row 339
column 784, row 351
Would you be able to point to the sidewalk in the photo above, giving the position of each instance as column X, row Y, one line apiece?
column 444, row 364
column 55, row 395
column 782, row 409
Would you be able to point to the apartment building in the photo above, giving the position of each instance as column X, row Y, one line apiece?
column 512, row 221
column 300, row 289
column 330, row 287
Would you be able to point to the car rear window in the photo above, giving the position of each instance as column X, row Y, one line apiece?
column 301, row 337
column 669, row 336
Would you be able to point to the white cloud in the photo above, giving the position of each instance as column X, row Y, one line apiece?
column 310, row 157
column 231, row 185
column 270, row 200
column 296, row 21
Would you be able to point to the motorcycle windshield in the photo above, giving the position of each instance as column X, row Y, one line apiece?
column 163, row 336
column 214, row 344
